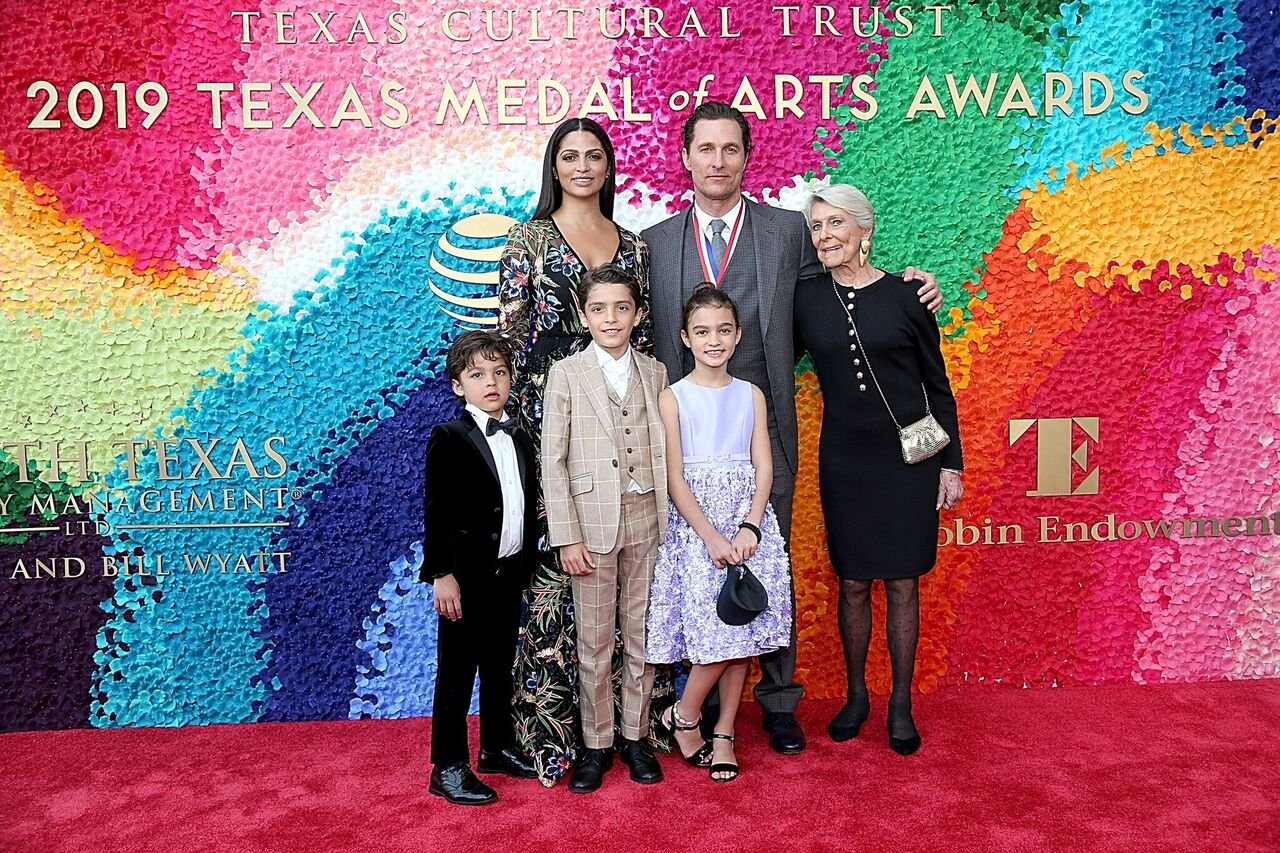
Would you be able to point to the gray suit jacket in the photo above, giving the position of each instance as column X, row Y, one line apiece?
column 783, row 254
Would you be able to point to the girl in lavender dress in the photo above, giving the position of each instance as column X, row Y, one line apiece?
column 719, row 473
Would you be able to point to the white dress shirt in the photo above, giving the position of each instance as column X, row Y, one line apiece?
column 617, row 372
column 504, row 456
column 730, row 222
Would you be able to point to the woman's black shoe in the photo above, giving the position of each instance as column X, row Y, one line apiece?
column 669, row 725
column 727, row 770
column 901, row 712
column 904, row 745
column 846, row 724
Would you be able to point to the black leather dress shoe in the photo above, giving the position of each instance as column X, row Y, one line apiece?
column 509, row 761
column 588, row 776
column 457, row 784
column 638, row 755
column 785, row 734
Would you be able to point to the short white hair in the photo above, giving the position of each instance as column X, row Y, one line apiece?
column 848, row 198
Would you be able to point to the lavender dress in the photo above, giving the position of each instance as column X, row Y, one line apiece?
column 715, row 437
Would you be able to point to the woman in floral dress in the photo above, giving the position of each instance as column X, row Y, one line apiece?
column 572, row 230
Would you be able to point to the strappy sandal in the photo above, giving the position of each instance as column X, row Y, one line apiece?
column 723, row 766
column 701, row 756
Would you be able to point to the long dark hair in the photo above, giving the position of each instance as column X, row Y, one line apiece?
column 552, row 196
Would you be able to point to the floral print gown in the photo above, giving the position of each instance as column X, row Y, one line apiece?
column 539, row 312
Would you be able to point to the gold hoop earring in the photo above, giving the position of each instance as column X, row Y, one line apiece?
column 864, row 250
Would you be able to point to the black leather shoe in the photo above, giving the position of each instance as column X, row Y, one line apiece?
column 509, row 761
column 638, row 755
column 457, row 784
column 900, row 712
column 848, row 722
column 905, row 745
column 588, row 776
column 785, row 734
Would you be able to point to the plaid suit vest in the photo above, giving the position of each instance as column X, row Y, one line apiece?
column 631, row 433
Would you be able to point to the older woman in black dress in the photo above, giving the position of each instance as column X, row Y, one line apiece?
column 878, row 358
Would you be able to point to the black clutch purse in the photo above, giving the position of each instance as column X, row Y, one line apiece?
column 742, row 597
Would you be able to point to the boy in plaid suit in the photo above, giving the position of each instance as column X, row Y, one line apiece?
column 605, row 487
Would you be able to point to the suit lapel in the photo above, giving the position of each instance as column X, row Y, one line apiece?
column 758, row 230
column 673, row 304
column 647, row 374
column 597, row 387
column 477, row 438
column 644, row 374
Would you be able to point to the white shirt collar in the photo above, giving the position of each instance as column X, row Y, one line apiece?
column 608, row 362
column 482, row 417
column 617, row 371
column 730, row 219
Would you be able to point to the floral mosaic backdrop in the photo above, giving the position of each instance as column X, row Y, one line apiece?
column 295, row 289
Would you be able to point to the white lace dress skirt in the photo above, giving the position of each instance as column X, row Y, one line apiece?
column 682, row 622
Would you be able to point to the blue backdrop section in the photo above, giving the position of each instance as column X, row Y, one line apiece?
column 1261, row 36
column 342, row 359
column 366, row 517
column 398, row 680
column 45, row 687
column 1112, row 38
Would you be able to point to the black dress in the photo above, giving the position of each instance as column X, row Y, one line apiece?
column 880, row 512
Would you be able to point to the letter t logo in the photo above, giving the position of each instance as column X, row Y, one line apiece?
column 1056, row 459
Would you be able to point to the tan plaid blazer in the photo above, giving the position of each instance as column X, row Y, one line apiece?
column 580, row 481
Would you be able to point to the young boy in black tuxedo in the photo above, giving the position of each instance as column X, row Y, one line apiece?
column 479, row 552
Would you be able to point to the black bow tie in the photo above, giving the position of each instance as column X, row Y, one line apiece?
column 494, row 426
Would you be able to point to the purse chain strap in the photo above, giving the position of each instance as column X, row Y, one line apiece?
column 857, row 337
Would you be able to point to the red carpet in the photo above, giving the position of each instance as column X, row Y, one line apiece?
column 1188, row 767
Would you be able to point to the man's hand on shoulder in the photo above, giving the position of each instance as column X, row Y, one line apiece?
column 930, row 294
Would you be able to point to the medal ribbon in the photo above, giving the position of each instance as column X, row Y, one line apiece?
column 709, row 270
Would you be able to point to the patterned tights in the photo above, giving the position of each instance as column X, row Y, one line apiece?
column 902, row 626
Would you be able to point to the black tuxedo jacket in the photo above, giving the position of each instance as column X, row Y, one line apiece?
column 463, row 506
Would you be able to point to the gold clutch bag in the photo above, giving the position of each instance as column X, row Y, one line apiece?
column 922, row 439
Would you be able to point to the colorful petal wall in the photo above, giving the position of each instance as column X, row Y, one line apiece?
column 239, row 330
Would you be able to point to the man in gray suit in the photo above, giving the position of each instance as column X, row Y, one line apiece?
column 756, row 254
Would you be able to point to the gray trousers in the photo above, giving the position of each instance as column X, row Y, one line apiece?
column 778, row 692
